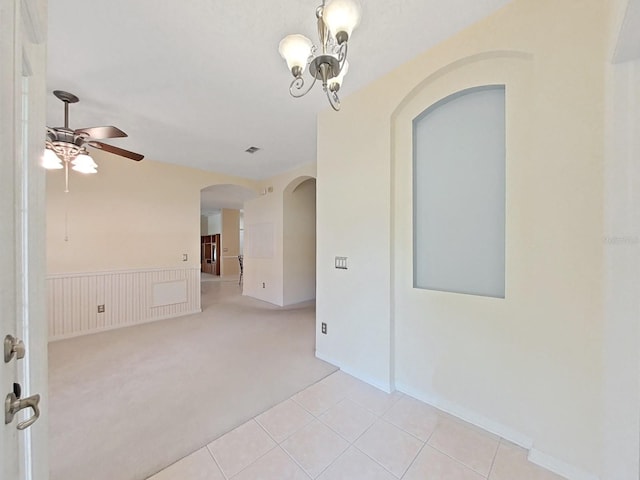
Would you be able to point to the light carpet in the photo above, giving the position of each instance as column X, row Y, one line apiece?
column 126, row 403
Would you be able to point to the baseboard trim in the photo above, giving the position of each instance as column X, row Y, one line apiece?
column 541, row 459
column 470, row 416
column 117, row 327
column 558, row 466
column 384, row 386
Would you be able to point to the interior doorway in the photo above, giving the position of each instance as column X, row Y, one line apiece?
column 222, row 229
column 299, row 241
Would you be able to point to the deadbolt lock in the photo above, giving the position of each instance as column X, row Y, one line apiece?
column 13, row 346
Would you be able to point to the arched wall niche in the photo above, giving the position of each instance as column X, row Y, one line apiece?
column 445, row 318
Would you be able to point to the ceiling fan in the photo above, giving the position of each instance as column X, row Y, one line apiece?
column 66, row 147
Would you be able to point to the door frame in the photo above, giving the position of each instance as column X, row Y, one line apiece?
column 22, row 128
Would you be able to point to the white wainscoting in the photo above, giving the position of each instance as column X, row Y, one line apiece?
column 130, row 297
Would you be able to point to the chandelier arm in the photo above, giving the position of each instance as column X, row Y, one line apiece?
column 296, row 87
column 334, row 100
column 342, row 54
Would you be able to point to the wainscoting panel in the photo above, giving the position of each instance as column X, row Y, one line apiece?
column 129, row 297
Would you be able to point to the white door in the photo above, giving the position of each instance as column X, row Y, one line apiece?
column 23, row 453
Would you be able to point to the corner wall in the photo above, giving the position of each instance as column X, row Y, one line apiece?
column 622, row 250
column 622, row 272
column 528, row 367
column 263, row 238
column 299, row 242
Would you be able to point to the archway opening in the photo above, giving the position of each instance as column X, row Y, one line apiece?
column 222, row 229
column 299, row 241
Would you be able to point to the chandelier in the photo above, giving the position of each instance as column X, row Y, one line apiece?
column 328, row 63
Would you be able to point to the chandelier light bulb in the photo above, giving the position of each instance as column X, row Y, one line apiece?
column 295, row 49
column 83, row 163
column 342, row 16
column 336, row 82
column 50, row 160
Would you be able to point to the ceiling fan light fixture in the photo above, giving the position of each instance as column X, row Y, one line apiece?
column 66, row 148
column 50, row 160
column 83, row 163
column 336, row 21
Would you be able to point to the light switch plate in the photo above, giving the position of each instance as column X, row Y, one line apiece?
column 341, row 263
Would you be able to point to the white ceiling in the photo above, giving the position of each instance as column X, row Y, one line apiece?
column 216, row 197
column 197, row 82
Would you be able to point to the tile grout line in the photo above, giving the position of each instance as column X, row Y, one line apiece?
column 375, row 461
column 216, row 462
column 468, row 467
column 493, row 462
column 304, row 470
column 250, row 464
column 334, row 460
column 424, row 445
column 380, row 417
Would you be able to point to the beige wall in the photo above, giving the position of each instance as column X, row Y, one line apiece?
column 129, row 215
column 299, row 242
column 528, row 367
column 263, row 216
column 230, row 242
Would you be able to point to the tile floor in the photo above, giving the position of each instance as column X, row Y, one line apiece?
column 343, row 429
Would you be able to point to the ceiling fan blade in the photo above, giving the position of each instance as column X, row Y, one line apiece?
column 118, row 151
column 102, row 132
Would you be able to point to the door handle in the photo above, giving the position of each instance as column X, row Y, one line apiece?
column 13, row 405
column 13, row 346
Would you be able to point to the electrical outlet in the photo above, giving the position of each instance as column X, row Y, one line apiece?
column 185, row 257
column 263, row 285
column 324, row 328
column 100, row 308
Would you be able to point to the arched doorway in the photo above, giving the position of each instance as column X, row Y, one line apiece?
column 222, row 228
column 299, row 241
